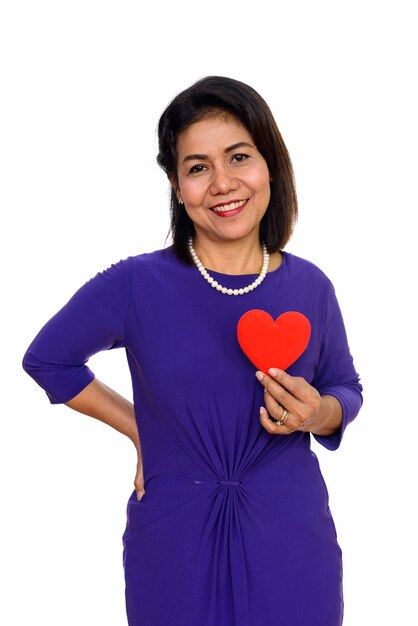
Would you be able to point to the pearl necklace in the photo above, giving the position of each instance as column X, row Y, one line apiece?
column 230, row 292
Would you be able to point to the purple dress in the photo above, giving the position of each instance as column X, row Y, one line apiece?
column 234, row 528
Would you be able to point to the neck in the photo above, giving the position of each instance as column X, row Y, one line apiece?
column 230, row 257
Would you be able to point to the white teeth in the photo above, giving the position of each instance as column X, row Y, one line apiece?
column 229, row 207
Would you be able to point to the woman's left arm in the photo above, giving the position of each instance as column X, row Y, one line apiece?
column 331, row 400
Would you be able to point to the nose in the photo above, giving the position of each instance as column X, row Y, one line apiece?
column 222, row 181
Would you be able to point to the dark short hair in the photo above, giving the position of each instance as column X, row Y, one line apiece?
column 214, row 95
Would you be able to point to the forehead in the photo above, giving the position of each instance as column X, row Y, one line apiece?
column 211, row 134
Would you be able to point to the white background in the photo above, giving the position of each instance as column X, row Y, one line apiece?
column 83, row 84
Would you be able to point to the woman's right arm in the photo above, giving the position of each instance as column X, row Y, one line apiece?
column 91, row 321
column 105, row 404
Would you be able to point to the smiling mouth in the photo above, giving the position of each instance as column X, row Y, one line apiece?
column 229, row 208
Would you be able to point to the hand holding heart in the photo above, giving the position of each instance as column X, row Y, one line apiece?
column 289, row 399
column 302, row 402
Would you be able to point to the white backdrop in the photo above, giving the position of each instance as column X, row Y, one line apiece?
column 84, row 83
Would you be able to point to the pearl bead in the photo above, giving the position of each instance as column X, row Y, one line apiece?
column 230, row 292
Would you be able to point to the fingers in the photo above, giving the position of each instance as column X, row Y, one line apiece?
column 139, row 481
column 296, row 386
column 288, row 423
column 295, row 395
column 293, row 384
column 275, row 408
column 282, row 389
column 293, row 392
column 273, row 428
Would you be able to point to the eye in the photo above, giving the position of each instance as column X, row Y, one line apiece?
column 240, row 157
column 196, row 169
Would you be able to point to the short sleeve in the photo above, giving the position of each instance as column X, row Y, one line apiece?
column 91, row 321
column 336, row 375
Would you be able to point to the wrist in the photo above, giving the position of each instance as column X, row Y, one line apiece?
column 329, row 417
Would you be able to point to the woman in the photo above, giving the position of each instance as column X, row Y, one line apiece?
column 229, row 523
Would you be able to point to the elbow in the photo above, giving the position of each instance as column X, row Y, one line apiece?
column 31, row 364
column 27, row 362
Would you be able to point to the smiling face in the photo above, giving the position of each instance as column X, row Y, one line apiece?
column 223, row 179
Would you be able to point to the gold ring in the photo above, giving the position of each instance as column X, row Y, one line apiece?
column 283, row 418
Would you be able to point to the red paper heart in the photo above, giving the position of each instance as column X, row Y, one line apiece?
column 273, row 343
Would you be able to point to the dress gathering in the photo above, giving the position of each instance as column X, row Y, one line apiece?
column 235, row 527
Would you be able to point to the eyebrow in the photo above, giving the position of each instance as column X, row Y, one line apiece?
column 203, row 157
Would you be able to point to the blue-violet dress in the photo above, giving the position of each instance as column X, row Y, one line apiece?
column 234, row 528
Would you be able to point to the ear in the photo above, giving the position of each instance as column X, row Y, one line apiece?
column 176, row 189
column 174, row 183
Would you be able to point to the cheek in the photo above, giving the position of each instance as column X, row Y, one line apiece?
column 192, row 191
column 261, row 187
column 259, row 180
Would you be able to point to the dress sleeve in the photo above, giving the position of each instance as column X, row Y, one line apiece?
column 335, row 374
column 91, row 321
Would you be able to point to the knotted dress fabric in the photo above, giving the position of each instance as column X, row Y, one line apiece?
column 234, row 528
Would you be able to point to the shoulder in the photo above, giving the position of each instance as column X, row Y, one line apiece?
column 305, row 271
column 155, row 265
column 158, row 258
column 141, row 262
